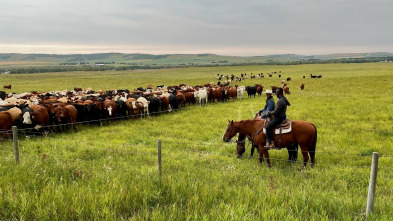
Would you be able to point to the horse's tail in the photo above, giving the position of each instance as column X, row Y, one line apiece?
column 312, row 147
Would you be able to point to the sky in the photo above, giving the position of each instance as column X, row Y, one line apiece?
column 225, row 27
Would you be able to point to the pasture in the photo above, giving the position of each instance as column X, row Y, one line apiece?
column 110, row 172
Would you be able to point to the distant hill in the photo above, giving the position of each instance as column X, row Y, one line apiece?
column 33, row 63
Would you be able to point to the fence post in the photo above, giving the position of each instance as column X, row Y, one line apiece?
column 372, row 184
column 15, row 138
column 159, row 157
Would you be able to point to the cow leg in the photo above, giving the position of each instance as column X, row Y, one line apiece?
column 264, row 151
column 293, row 153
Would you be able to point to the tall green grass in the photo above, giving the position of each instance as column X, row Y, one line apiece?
column 110, row 172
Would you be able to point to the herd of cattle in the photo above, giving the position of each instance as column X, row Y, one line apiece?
column 51, row 109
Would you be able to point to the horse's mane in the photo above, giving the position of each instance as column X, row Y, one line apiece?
column 244, row 122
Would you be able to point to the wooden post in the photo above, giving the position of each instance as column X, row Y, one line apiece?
column 159, row 157
column 15, row 138
column 372, row 184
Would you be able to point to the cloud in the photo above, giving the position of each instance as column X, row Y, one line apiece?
column 200, row 24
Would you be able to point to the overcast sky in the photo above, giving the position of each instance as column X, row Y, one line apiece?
column 227, row 27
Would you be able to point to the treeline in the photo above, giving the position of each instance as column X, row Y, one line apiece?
column 65, row 68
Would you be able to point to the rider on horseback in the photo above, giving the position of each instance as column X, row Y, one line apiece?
column 279, row 115
column 269, row 106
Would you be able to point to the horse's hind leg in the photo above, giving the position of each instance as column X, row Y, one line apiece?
column 305, row 156
column 312, row 156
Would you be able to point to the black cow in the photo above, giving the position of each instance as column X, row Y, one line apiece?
column 173, row 102
column 121, row 109
column 3, row 94
column 154, row 105
column 251, row 90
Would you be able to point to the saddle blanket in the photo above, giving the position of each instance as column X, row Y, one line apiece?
column 284, row 130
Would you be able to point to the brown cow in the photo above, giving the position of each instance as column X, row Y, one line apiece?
column 69, row 113
column 231, row 92
column 259, row 89
column 181, row 99
column 109, row 107
column 274, row 88
column 76, row 89
column 286, row 90
column 217, row 95
column 5, row 124
column 7, row 87
column 301, row 86
column 189, row 97
column 38, row 116
column 165, row 103
column 132, row 106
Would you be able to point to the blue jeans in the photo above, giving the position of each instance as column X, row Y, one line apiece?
column 270, row 127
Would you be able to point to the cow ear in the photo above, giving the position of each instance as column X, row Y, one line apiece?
column 232, row 122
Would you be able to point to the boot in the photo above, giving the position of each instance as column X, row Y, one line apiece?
column 271, row 145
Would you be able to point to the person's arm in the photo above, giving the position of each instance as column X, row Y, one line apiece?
column 268, row 108
column 279, row 108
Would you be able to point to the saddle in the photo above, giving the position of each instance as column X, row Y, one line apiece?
column 283, row 128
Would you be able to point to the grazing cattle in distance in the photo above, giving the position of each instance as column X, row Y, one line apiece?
column 270, row 75
column 251, row 90
column 274, row 88
column 313, row 76
column 7, row 86
column 304, row 77
column 5, row 123
column 288, row 79
column 279, row 76
column 286, row 90
column 76, row 89
column 68, row 113
column 319, row 76
column 301, row 86
column 259, row 89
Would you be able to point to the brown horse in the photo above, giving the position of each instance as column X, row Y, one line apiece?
column 303, row 133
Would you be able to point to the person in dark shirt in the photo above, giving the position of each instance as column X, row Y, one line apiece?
column 269, row 106
column 279, row 115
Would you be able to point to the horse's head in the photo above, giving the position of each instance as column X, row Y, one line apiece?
column 229, row 132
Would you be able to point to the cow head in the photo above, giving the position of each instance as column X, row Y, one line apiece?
column 27, row 118
column 58, row 110
column 110, row 110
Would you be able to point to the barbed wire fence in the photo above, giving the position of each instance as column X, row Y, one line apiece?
column 44, row 134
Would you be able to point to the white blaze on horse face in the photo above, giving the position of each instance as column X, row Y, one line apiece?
column 110, row 110
column 26, row 118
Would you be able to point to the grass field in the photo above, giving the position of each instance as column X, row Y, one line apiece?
column 110, row 172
